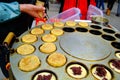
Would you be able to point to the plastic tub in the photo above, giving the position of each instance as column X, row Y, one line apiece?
column 92, row 11
column 70, row 14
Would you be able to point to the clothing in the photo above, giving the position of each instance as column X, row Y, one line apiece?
column 61, row 5
column 81, row 4
column 12, row 20
column 110, row 4
column 19, row 22
column 118, row 8
column 100, row 3
column 9, row 11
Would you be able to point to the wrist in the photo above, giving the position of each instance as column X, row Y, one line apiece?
column 22, row 7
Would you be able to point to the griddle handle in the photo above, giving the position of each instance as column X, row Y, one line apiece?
column 9, row 38
column 5, row 54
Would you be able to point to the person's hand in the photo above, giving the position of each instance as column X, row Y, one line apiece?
column 33, row 10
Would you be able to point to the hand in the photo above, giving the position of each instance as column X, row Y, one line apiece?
column 33, row 10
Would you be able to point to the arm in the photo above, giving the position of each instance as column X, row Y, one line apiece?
column 32, row 10
column 9, row 11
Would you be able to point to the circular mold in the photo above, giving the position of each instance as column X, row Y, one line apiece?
column 83, row 24
column 58, row 24
column 116, row 45
column 115, row 65
column 95, row 32
column 47, row 27
column 77, row 70
column 101, row 72
column 81, row 29
column 29, row 63
column 70, row 23
column 117, row 35
column 108, row 37
column 85, row 46
column 117, row 53
column 29, row 38
column 95, row 26
column 37, row 31
column 109, row 31
column 44, row 75
column 56, row 59
column 57, row 32
column 49, row 38
column 68, row 29
column 48, row 48
column 25, row 49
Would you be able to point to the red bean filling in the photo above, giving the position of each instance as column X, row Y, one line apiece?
column 76, row 70
column 44, row 77
column 101, row 71
column 104, row 79
column 116, row 63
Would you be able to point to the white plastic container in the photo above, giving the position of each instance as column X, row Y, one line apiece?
column 92, row 11
column 70, row 14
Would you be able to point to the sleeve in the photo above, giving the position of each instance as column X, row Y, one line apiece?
column 9, row 11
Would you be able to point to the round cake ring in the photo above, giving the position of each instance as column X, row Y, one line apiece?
column 85, row 46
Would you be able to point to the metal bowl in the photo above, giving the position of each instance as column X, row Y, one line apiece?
column 100, row 20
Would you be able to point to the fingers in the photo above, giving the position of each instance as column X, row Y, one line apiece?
column 39, row 8
column 41, row 11
column 39, row 14
column 33, row 10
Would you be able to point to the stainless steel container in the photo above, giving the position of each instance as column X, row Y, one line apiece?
column 100, row 20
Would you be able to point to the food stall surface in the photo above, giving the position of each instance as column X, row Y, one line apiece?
column 114, row 21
